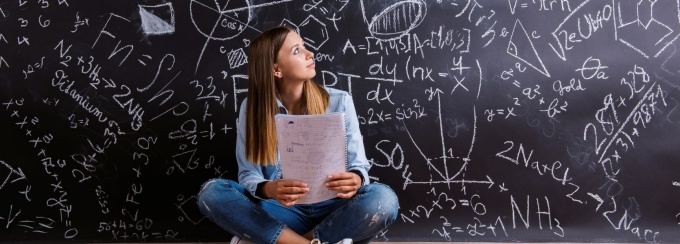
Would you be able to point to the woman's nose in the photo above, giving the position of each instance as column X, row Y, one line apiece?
column 310, row 54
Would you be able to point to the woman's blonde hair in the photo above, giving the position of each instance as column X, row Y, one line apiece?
column 261, row 145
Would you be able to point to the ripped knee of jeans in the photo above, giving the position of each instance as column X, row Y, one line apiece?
column 204, row 194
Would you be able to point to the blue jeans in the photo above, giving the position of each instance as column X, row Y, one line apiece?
column 360, row 217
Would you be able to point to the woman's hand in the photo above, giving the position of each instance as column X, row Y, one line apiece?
column 346, row 184
column 286, row 192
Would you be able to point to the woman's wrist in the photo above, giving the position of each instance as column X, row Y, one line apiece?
column 361, row 177
column 261, row 190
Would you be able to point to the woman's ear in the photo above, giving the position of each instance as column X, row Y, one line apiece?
column 277, row 71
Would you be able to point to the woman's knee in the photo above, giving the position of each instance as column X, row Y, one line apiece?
column 385, row 197
column 212, row 192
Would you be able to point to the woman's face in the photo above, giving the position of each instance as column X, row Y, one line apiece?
column 294, row 61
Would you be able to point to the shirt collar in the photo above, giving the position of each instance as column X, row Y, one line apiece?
column 282, row 109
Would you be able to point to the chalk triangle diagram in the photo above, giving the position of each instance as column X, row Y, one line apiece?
column 525, row 41
column 152, row 24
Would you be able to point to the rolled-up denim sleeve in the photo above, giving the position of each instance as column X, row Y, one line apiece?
column 249, row 174
column 356, row 155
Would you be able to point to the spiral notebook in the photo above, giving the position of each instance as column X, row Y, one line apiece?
column 312, row 147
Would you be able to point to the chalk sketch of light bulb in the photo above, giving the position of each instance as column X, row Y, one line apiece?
column 391, row 21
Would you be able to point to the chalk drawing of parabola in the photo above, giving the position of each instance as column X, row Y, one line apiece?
column 220, row 19
column 392, row 19
column 316, row 156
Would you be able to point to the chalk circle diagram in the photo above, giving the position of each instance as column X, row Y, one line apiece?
column 220, row 19
column 391, row 21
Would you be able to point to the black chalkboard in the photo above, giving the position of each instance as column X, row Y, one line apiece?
column 493, row 120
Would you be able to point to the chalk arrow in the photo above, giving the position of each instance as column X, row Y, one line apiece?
column 489, row 181
column 109, row 83
column 3, row 61
column 597, row 198
column 20, row 173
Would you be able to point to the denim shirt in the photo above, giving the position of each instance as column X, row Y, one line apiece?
column 250, row 175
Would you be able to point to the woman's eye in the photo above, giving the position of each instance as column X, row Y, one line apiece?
column 296, row 51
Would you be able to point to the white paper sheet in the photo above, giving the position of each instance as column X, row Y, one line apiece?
column 312, row 147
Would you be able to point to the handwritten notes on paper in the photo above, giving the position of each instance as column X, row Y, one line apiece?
column 311, row 148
